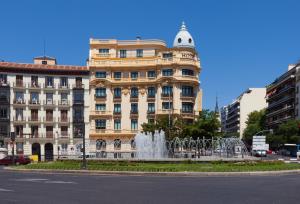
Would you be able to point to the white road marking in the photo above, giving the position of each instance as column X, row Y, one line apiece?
column 61, row 182
column 32, row 180
column 5, row 190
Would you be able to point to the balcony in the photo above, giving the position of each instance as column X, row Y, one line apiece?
column 187, row 113
column 141, row 62
column 64, row 103
column 33, row 103
column 117, row 98
column 78, row 102
column 19, row 102
column 134, row 114
column 4, row 83
column 49, row 87
column 134, row 98
column 150, row 97
column 102, row 55
column 187, row 97
column 49, row 120
column 64, row 135
column 100, row 113
column 49, row 103
column 166, row 95
column 117, row 114
column 63, row 120
column 34, row 120
column 20, row 119
column 281, row 101
column 100, row 97
column 280, row 92
column 35, row 86
column 63, row 87
column 19, row 85
column 49, row 135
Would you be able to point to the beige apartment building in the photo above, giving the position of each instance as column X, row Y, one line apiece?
column 134, row 81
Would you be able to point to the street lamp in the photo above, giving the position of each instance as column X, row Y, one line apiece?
column 13, row 138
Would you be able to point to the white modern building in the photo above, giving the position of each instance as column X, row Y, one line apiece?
column 235, row 115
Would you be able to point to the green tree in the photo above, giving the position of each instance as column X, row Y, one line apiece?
column 255, row 123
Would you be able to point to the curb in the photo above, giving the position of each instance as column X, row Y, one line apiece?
column 174, row 174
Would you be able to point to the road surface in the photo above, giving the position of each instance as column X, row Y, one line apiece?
column 23, row 188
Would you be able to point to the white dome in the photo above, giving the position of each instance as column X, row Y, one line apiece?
column 183, row 38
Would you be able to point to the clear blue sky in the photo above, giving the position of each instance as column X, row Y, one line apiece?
column 241, row 43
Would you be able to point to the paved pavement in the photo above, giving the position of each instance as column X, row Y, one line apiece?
column 18, row 187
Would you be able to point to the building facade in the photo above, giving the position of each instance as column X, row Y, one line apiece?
column 282, row 97
column 235, row 115
column 134, row 81
column 126, row 83
column 45, row 105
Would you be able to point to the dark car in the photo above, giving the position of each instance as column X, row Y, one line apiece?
column 8, row 160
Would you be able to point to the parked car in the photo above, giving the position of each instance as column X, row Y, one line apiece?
column 259, row 153
column 8, row 160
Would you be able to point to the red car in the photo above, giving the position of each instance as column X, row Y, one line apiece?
column 18, row 160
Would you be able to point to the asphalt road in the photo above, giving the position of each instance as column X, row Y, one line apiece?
column 35, row 188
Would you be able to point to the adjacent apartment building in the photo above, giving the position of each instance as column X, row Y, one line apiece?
column 126, row 83
column 235, row 115
column 134, row 81
column 45, row 105
column 283, row 97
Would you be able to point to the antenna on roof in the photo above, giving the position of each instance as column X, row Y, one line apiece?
column 44, row 48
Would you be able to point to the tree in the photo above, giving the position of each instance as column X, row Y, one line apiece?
column 255, row 123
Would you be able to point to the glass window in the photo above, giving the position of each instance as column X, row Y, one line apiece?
column 151, row 91
column 167, row 90
column 187, row 107
column 187, row 91
column 151, row 74
column 168, row 55
column 123, row 53
column 134, row 92
column 3, row 112
column 134, row 108
column 134, row 124
column 117, row 124
column 117, row 92
column 100, row 124
column 101, row 107
column 19, row 97
column 34, row 81
column 167, row 72
column 34, row 97
column 117, row 108
column 77, row 96
column 117, row 144
column 103, row 51
column 63, row 81
column 117, row 75
column 167, row 105
column 187, row 72
column 49, row 81
column 100, row 92
column 3, row 79
column 100, row 144
column 139, row 53
column 151, row 107
column 100, row 74
column 134, row 75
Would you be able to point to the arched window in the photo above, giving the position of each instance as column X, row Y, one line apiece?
column 100, row 145
column 117, row 144
column 190, row 40
column 179, row 40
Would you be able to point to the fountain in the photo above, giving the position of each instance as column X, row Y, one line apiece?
column 155, row 146
column 150, row 146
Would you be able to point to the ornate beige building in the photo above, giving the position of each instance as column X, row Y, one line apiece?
column 134, row 81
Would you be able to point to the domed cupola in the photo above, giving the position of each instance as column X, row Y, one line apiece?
column 183, row 38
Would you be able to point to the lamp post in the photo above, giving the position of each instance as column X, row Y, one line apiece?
column 83, row 151
column 13, row 138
